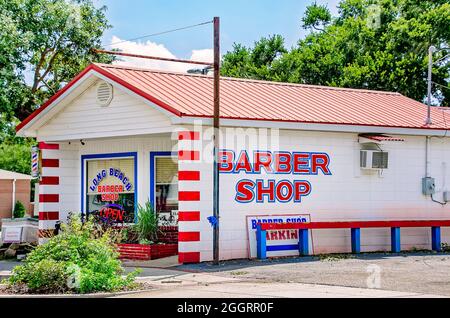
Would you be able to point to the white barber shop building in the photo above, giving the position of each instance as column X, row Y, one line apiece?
column 115, row 137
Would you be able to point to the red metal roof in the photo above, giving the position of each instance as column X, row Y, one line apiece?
column 192, row 95
column 380, row 137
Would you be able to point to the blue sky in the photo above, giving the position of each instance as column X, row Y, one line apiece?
column 243, row 21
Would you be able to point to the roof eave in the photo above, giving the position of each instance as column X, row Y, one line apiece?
column 24, row 129
column 313, row 126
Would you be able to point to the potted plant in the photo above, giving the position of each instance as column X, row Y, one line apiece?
column 141, row 239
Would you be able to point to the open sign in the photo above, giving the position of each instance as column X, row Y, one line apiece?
column 113, row 212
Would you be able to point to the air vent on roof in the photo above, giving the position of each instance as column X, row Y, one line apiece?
column 104, row 93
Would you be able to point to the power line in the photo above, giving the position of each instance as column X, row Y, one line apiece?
column 440, row 85
column 161, row 33
column 151, row 57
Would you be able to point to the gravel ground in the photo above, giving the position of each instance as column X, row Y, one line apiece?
column 419, row 272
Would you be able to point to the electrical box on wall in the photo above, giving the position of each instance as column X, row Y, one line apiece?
column 428, row 186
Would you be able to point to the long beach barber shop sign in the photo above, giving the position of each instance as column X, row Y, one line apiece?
column 274, row 189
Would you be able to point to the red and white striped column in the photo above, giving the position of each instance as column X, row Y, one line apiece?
column 48, row 191
column 189, row 196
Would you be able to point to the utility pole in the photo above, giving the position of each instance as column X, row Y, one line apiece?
column 216, row 132
column 431, row 50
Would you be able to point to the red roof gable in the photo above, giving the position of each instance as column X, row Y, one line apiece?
column 192, row 96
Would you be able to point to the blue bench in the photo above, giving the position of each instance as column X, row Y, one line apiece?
column 355, row 228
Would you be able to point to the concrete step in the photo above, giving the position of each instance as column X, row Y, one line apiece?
column 4, row 275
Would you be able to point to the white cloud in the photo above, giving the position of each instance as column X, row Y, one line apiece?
column 206, row 55
column 159, row 50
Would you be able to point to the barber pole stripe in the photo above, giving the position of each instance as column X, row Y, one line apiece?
column 188, row 175
column 43, row 145
column 188, row 216
column 189, row 257
column 50, row 163
column 49, row 181
column 189, row 196
column 50, row 198
column 49, row 191
column 46, row 216
column 188, row 236
column 188, row 155
column 188, row 135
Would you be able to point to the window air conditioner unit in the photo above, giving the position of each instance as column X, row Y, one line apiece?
column 373, row 159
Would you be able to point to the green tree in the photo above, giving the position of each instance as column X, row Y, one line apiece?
column 256, row 62
column 316, row 17
column 43, row 45
column 50, row 41
column 15, row 157
column 372, row 44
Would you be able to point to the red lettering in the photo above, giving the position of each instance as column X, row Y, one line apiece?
column 301, row 163
column 261, row 191
column 263, row 159
column 244, row 189
column 283, row 162
column 302, row 188
column 294, row 234
column 243, row 163
column 285, row 195
column 320, row 161
column 273, row 235
column 110, row 213
column 226, row 161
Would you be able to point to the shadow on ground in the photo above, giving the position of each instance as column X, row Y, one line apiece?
column 245, row 263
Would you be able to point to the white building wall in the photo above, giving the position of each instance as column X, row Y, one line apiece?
column 348, row 194
column 126, row 115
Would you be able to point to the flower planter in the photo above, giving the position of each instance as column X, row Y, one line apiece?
column 146, row 252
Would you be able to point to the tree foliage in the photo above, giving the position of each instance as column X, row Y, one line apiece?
column 316, row 17
column 44, row 44
column 256, row 62
column 380, row 45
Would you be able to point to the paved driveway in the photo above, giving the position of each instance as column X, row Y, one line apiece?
column 423, row 273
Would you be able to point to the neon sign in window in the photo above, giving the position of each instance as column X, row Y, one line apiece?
column 111, row 189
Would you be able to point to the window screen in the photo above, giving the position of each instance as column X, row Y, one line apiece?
column 166, row 190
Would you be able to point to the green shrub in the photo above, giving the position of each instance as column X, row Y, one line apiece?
column 73, row 261
column 146, row 227
column 47, row 276
column 19, row 210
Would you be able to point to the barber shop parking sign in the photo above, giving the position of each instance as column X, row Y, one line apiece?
column 282, row 242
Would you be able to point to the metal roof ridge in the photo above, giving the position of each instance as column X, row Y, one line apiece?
column 358, row 90
column 142, row 69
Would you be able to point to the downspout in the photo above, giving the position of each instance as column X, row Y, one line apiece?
column 13, row 197
column 427, row 167
column 427, row 156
